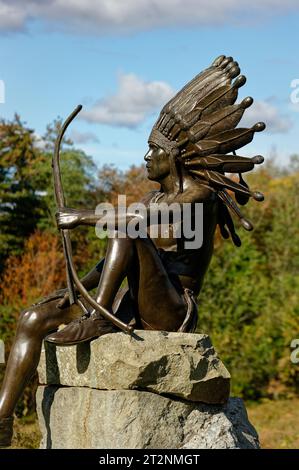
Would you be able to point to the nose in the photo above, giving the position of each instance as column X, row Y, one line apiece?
column 148, row 155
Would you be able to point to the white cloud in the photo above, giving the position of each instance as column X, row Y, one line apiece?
column 134, row 101
column 275, row 121
column 39, row 142
column 12, row 16
column 83, row 137
column 110, row 16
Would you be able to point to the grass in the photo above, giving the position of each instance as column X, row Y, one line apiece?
column 26, row 433
column 276, row 421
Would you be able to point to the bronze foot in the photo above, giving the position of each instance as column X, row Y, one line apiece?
column 79, row 331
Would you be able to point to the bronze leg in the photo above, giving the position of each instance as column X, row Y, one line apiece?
column 34, row 324
column 118, row 261
column 159, row 304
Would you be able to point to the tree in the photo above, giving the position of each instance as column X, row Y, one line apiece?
column 133, row 183
column 249, row 302
column 26, row 184
column 20, row 203
column 78, row 174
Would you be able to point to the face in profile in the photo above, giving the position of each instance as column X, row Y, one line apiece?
column 157, row 163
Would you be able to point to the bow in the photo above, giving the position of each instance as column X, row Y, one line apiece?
column 73, row 280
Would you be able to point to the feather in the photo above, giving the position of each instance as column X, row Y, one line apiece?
column 222, row 163
column 228, row 221
column 206, row 82
column 219, row 121
column 228, row 200
column 228, row 141
column 221, row 181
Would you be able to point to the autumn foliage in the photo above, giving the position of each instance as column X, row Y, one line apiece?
column 36, row 273
column 133, row 183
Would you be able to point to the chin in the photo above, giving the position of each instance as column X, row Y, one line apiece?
column 150, row 176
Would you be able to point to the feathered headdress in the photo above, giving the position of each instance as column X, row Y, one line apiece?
column 197, row 128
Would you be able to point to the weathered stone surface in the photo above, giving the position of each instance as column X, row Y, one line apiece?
column 181, row 364
column 76, row 417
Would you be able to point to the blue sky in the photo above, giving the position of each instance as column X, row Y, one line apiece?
column 125, row 64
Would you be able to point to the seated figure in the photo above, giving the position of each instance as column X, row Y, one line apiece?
column 191, row 147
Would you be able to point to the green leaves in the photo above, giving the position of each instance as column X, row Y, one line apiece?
column 20, row 203
column 26, row 185
column 249, row 302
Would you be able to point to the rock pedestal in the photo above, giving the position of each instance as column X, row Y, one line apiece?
column 152, row 390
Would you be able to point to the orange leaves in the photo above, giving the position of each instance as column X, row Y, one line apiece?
column 133, row 183
column 38, row 272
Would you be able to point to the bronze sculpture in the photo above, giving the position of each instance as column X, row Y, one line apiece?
column 189, row 154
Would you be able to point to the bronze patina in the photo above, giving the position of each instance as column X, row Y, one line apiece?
column 191, row 148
